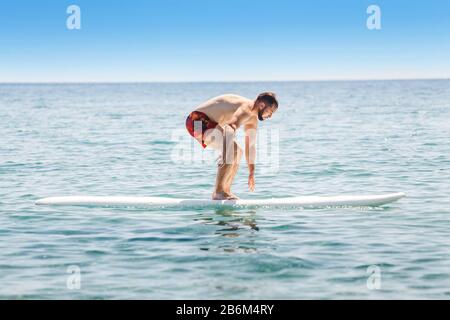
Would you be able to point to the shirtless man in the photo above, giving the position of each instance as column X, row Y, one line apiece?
column 214, row 124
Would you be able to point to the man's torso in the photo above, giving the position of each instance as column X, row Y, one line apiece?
column 222, row 108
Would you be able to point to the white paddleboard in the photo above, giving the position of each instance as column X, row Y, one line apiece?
column 305, row 201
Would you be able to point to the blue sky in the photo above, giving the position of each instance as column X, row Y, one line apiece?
column 222, row 40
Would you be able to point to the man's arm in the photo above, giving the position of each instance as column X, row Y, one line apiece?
column 250, row 153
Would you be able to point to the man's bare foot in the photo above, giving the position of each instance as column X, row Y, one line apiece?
column 224, row 196
column 232, row 196
column 218, row 196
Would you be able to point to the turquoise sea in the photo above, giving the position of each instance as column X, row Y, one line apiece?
column 362, row 137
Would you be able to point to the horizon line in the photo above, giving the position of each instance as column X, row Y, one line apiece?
column 221, row 81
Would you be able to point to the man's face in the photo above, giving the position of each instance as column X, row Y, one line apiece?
column 266, row 112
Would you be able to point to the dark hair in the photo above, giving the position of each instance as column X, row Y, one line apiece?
column 269, row 98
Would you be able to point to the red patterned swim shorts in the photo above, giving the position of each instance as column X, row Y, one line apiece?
column 197, row 123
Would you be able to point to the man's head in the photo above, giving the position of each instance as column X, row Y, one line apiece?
column 266, row 104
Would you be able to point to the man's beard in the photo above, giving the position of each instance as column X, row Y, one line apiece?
column 260, row 116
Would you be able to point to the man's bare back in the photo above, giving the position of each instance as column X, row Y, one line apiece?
column 222, row 108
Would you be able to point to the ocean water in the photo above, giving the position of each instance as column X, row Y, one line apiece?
column 125, row 139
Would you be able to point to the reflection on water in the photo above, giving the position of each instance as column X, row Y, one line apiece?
column 235, row 220
column 232, row 224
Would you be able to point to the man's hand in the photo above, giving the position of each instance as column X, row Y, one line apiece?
column 251, row 182
column 250, row 153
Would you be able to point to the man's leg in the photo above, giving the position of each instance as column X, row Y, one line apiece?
column 233, row 171
column 214, row 139
column 223, row 172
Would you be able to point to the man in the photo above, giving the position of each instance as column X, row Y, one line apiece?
column 214, row 124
